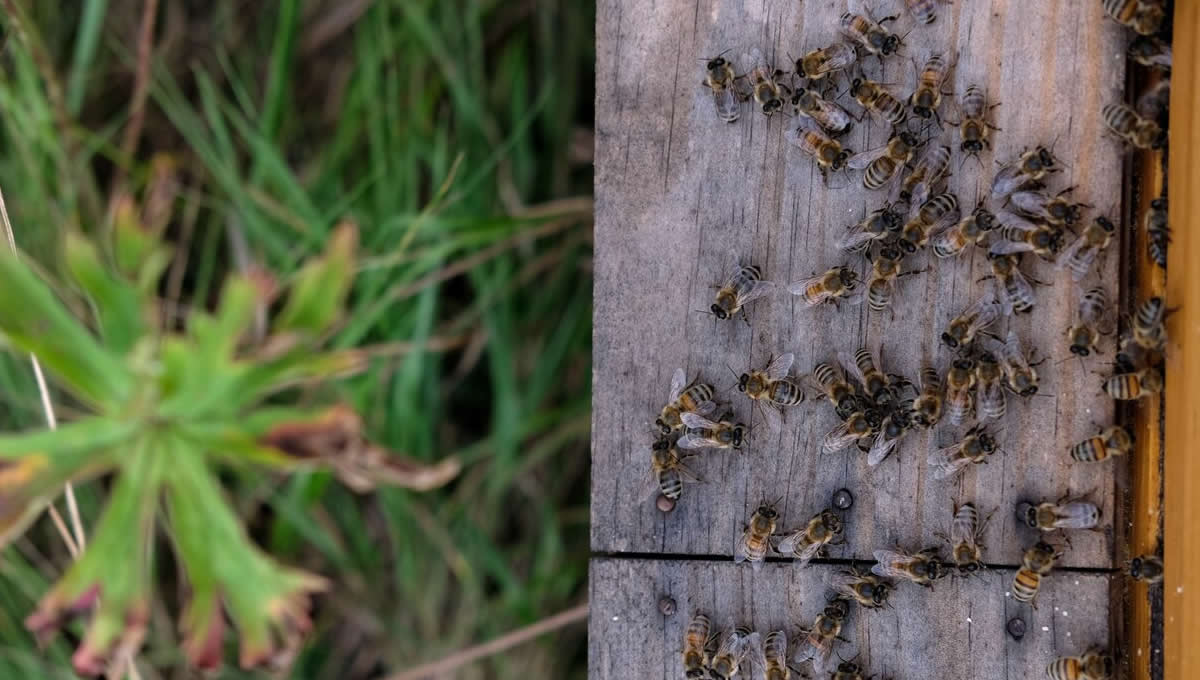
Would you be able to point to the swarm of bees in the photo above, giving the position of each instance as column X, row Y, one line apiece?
column 985, row 370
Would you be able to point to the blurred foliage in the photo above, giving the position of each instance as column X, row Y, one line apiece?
column 456, row 135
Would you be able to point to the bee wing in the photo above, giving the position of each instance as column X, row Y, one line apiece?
column 731, row 644
column 838, row 438
column 946, row 462
column 850, row 366
column 822, row 653
column 1006, row 247
column 756, row 60
column 991, row 400
column 1006, row 218
column 810, row 551
column 962, row 527
column 757, row 290
column 693, row 441
column 739, row 548
column 946, row 222
column 1006, row 181
column 780, row 365
column 839, row 56
column 704, row 408
column 1078, row 257
column 881, row 449
column 678, row 381
column 1076, row 515
column 802, row 285
column 771, row 417
column 696, row 421
column 789, row 544
column 1029, row 202
column 726, row 103
column 885, row 561
column 861, row 160
column 854, row 238
column 1012, row 351
column 983, row 312
column 1023, row 288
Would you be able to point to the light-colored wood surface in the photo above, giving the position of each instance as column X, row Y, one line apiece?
column 680, row 195
column 956, row 630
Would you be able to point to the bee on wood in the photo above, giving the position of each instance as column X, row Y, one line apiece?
column 1020, row 375
column 962, row 329
column 744, row 286
column 975, row 448
column 772, row 387
column 837, row 284
column 1035, row 564
column 858, row 426
column 1063, row 514
column 720, row 79
column 927, row 408
column 883, row 164
column 774, row 661
column 821, row 62
column 818, row 640
column 1154, row 102
column 1136, row 385
column 1132, row 128
column 922, row 568
column 966, row 550
column 1151, row 52
column 731, row 652
column 868, row 590
column 836, row 389
column 924, row 11
column 1031, row 166
column 968, row 231
column 1019, row 235
column 935, row 215
column 869, row 34
column 960, row 381
column 694, row 397
column 1015, row 288
column 667, row 471
column 1158, row 233
column 1148, row 330
column 885, row 270
column 874, row 98
column 695, row 640
column 810, row 139
column 832, row 118
column 926, row 176
column 974, row 130
column 1112, row 441
column 1083, row 251
column 767, row 91
column 895, row 425
column 864, row 366
column 1094, row 665
column 1147, row 569
column 808, row 541
column 927, row 96
column 1145, row 17
column 1056, row 210
column 1085, row 334
column 989, row 378
column 879, row 224
column 848, row 670
column 755, row 542
column 704, row 433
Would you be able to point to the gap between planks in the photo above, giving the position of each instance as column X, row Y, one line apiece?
column 815, row 562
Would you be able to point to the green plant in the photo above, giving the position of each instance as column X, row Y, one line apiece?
column 166, row 406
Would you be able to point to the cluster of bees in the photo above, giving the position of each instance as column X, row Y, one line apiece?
column 876, row 408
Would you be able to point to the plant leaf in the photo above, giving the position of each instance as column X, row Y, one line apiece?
column 319, row 291
column 117, row 304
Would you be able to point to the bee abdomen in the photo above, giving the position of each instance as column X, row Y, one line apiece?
column 670, row 483
column 1025, row 584
column 1090, row 451
column 1065, row 668
column 786, row 393
column 879, row 172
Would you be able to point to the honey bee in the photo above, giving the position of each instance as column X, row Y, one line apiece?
column 720, row 80
column 1147, row 569
column 989, row 377
column 704, row 433
column 856, row 427
column 974, row 129
column 1063, row 514
column 965, row 530
column 1132, row 128
column 731, row 652
column 1112, row 441
column 865, row 367
column 836, row 389
column 869, row 34
column 1155, row 101
column 695, row 640
column 772, row 387
column 895, row 425
column 1057, row 211
column 1018, row 235
column 1036, row 563
column 767, row 91
column 1016, row 289
column 1158, row 233
column 934, row 215
column 832, row 118
column 973, row 449
column 885, row 270
column 1079, row 256
column 837, row 284
column 744, row 286
column 827, row 152
column 960, row 381
column 1136, row 385
column 922, row 568
column 924, row 11
column 1144, row 16
column 877, row 225
column 871, row 96
column 1151, row 52
column 819, row 63
column 806, row 542
column 1085, row 334
column 1148, row 329
column 667, row 471
column 818, row 640
column 755, row 542
column 848, row 670
column 926, row 175
column 1094, row 665
column 1019, row 374
column 927, row 96
column 962, row 329
column 969, row 230
column 883, row 164
column 774, row 660
column 868, row 590
column 1031, row 166
column 695, row 397
column 927, row 408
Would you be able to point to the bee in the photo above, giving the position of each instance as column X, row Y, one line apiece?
column 974, row 448
column 767, row 91
column 775, row 657
column 755, row 541
column 1148, row 329
column 885, row 270
column 1151, row 52
column 819, row 63
column 744, row 286
column 1079, row 256
column 827, row 152
column 963, row 328
column 871, row 96
column 834, row 387
column 870, row 34
column 927, row 96
column 1144, row 16
column 1155, row 101
column 832, row 118
column 1158, row 233
column 1016, row 289
column 989, row 379
column 695, row 397
column 837, row 284
column 695, row 640
column 934, row 215
column 805, row 543
column 856, row 427
column 1085, row 334
column 960, row 381
column 924, row 11
column 922, row 568
column 1018, row 235
column 1112, row 441
column 720, row 80
column 868, row 590
column 848, row 670
column 974, row 129
column 1147, row 569
column 667, row 471
column 877, row 225
column 1020, row 375
column 965, row 530
column 883, row 164
column 865, row 367
column 1031, row 166
column 704, row 433
column 1094, row 665
column 1036, row 563
column 969, row 230
column 1057, row 211
column 731, row 652
column 1136, row 385
column 895, row 425
column 927, row 409
column 772, row 387
column 1063, row 514
column 1132, row 128
column 818, row 640
column 926, row 175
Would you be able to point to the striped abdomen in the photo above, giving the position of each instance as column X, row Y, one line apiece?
column 1025, row 584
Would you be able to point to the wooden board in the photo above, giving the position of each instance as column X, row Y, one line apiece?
column 957, row 630
column 680, row 195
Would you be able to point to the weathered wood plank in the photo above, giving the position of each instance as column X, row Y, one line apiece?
column 956, row 630
column 680, row 195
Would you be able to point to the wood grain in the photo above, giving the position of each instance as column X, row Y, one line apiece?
column 680, row 195
column 956, row 630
